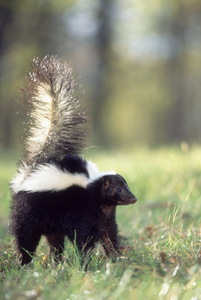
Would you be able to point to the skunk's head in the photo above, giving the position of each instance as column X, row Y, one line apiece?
column 115, row 191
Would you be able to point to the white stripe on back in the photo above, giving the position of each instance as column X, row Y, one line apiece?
column 49, row 177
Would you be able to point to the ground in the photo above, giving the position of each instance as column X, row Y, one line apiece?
column 162, row 232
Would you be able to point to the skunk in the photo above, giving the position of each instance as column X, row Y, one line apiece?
column 57, row 193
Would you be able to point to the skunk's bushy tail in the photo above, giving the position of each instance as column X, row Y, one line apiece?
column 57, row 118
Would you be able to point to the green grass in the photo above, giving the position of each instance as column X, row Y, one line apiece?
column 162, row 230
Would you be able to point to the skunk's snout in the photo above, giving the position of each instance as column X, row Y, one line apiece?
column 127, row 199
column 133, row 199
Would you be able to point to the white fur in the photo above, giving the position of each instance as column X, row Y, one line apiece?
column 47, row 178
column 94, row 173
column 43, row 114
column 92, row 170
column 23, row 172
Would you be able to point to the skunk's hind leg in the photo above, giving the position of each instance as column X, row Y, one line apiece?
column 56, row 242
column 26, row 244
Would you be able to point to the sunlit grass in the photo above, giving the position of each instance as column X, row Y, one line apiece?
column 162, row 232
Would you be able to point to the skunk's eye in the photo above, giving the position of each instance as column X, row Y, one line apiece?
column 119, row 190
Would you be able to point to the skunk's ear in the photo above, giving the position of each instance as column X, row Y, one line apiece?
column 106, row 182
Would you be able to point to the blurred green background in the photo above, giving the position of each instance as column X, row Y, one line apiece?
column 139, row 63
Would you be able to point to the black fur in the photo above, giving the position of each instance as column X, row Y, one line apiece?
column 72, row 163
column 85, row 215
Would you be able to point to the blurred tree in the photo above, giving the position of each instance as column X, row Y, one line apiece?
column 175, row 71
column 178, row 25
column 101, row 88
column 27, row 29
column 7, row 12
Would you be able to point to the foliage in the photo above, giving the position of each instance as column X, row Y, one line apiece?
column 139, row 63
column 162, row 231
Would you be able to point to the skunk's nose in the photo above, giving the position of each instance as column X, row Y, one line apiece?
column 133, row 199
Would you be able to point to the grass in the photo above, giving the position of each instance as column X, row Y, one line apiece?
column 162, row 230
